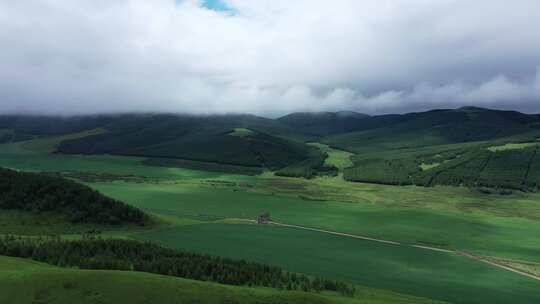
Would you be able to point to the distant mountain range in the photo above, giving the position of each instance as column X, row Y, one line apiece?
column 251, row 141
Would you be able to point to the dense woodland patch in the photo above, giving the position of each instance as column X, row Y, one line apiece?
column 196, row 138
column 517, row 169
column 91, row 253
column 309, row 168
column 76, row 202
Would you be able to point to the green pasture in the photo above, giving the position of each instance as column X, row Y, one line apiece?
column 452, row 217
column 512, row 146
column 241, row 132
column 119, row 165
column 338, row 158
column 197, row 204
column 401, row 269
column 510, row 237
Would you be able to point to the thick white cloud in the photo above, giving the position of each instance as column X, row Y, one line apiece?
column 269, row 56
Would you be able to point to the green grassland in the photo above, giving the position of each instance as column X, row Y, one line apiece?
column 401, row 269
column 426, row 167
column 488, row 224
column 24, row 281
column 483, row 232
column 204, row 166
column 338, row 158
column 50, row 144
column 242, row 132
column 199, row 206
column 512, row 146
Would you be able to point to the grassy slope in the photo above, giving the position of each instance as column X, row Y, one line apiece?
column 25, row 281
column 338, row 158
column 50, row 144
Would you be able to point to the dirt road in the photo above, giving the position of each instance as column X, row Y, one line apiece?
column 366, row 238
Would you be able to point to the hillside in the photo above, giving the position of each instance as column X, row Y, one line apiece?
column 25, row 281
column 402, row 149
column 324, row 123
column 461, row 147
column 54, row 196
column 434, row 127
column 18, row 128
column 210, row 139
column 198, row 138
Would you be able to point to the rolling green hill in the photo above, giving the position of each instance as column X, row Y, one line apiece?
column 17, row 128
column 448, row 147
column 56, row 196
column 464, row 147
column 269, row 144
column 25, row 281
column 435, row 127
column 208, row 138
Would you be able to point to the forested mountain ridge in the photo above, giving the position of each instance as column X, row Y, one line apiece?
column 407, row 148
column 324, row 123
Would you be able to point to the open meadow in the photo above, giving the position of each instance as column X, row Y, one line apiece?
column 207, row 211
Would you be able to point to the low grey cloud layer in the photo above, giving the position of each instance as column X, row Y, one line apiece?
column 268, row 57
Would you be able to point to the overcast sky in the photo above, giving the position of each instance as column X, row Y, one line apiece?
column 267, row 57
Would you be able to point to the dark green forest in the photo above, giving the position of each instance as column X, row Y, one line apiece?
column 510, row 169
column 309, row 168
column 76, row 202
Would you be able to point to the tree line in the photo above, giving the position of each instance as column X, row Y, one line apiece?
column 309, row 168
column 112, row 254
column 77, row 202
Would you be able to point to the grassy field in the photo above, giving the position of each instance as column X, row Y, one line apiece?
column 16, row 156
column 486, row 224
column 198, row 204
column 25, row 281
column 242, row 132
column 49, row 145
column 512, row 146
column 402, row 269
column 484, row 234
column 338, row 158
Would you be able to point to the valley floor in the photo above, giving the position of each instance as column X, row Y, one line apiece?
column 198, row 209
